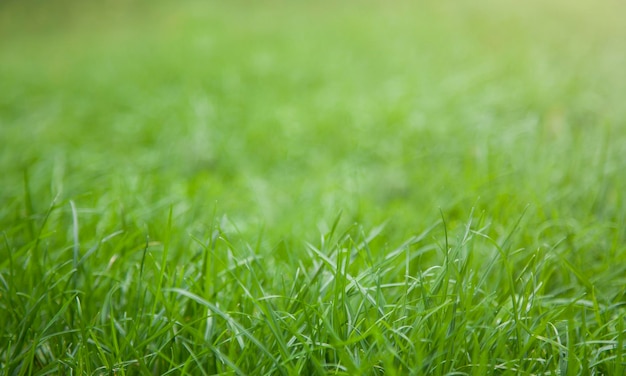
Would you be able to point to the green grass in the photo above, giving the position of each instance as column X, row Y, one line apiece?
column 295, row 188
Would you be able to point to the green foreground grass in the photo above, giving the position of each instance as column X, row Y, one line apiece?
column 299, row 188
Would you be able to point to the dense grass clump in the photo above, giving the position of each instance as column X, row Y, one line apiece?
column 298, row 188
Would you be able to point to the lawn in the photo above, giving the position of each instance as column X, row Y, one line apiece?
column 309, row 188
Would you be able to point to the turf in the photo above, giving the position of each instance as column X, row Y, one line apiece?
column 291, row 187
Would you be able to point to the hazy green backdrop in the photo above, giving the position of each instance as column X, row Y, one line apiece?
column 285, row 113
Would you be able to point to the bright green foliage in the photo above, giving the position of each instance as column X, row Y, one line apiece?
column 301, row 188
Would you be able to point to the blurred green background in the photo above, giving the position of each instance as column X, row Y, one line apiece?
column 281, row 114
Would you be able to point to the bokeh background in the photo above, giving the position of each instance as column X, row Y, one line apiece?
column 282, row 114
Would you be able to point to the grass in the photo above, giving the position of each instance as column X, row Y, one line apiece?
column 312, row 188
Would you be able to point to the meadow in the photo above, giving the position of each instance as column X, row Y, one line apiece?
column 313, row 188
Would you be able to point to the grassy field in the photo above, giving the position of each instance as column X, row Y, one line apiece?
column 309, row 188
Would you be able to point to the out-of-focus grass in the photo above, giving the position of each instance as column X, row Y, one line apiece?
column 387, row 109
column 306, row 86
column 172, row 126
